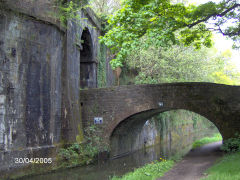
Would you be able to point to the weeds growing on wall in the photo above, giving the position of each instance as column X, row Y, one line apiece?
column 76, row 154
column 182, row 117
column 69, row 10
column 101, row 74
column 82, row 153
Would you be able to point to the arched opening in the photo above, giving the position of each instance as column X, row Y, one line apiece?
column 172, row 131
column 88, row 77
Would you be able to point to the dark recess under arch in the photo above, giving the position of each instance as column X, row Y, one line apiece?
column 125, row 137
column 88, row 77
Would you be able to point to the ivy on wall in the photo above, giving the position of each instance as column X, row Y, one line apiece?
column 101, row 69
column 68, row 10
column 173, row 121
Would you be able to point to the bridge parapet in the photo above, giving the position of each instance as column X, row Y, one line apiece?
column 218, row 103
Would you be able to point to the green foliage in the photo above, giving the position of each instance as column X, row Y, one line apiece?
column 223, row 78
column 200, row 122
column 177, row 118
column 84, row 153
column 103, row 21
column 105, row 7
column 207, row 140
column 165, row 23
column 93, row 139
column 128, row 76
column 136, row 19
column 231, row 144
column 203, row 10
column 69, row 10
column 178, row 64
column 148, row 172
column 228, row 168
column 77, row 154
column 222, row 17
column 181, row 64
column 176, row 121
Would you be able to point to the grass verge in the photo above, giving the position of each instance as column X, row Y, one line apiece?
column 148, row 172
column 157, row 169
column 228, row 168
column 206, row 140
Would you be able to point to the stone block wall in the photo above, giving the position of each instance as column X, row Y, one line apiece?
column 39, row 79
column 31, row 55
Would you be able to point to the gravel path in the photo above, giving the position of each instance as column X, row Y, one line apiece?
column 194, row 164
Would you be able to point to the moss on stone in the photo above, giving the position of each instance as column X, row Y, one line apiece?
column 80, row 137
column 101, row 75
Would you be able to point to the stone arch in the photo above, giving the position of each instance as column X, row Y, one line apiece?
column 218, row 103
column 88, row 76
column 124, row 136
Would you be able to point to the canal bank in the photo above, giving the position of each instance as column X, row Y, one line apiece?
column 119, row 166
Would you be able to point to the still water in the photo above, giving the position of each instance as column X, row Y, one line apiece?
column 122, row 165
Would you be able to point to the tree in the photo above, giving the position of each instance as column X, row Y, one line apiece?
column 166, row 24
column 105, row 7
column 181, row 64
column 223, row 16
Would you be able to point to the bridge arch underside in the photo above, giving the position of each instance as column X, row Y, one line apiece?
column 128, row 135
column 219, row 103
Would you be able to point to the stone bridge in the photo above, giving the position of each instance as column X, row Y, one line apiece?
column 125, row 107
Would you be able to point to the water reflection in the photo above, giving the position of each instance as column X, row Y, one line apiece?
column 117, row 166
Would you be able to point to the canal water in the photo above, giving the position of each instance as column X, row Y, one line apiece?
column 119, row 166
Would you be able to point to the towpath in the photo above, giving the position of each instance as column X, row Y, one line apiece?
column 195, row 163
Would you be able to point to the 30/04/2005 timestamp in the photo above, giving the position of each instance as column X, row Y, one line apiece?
column 33, row 160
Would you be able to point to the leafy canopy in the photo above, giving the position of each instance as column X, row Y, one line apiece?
column 181, row 64
column 166, row 23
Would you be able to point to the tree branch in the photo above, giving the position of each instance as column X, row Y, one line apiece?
column 214, row 15
column 230, row 34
